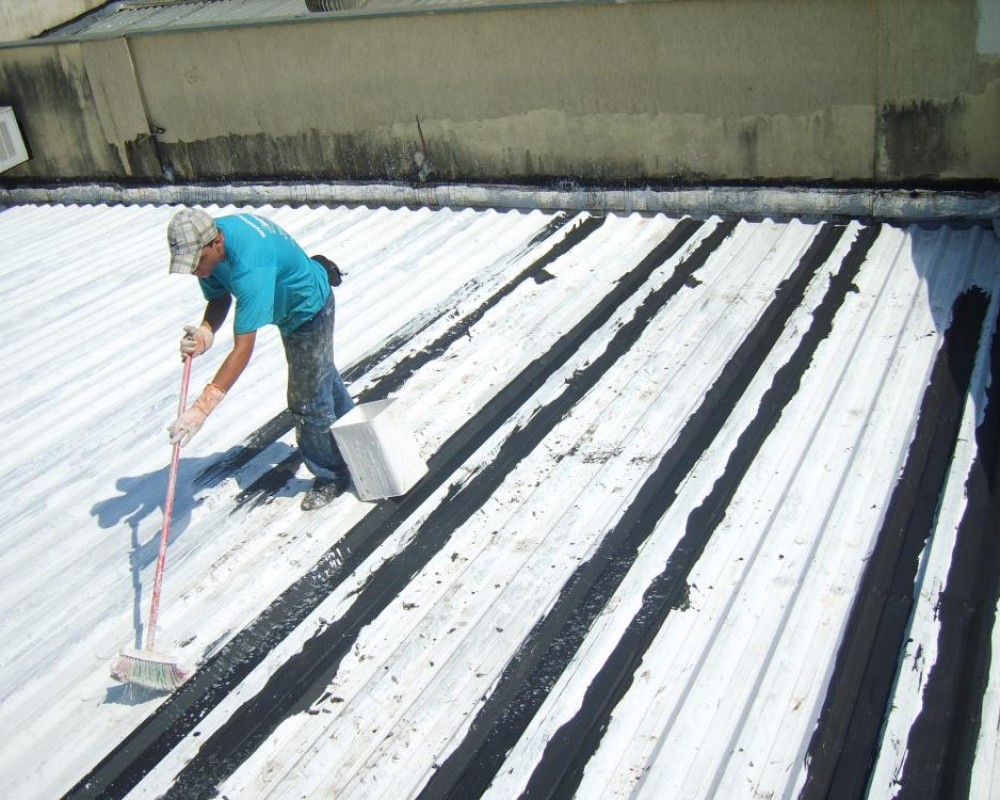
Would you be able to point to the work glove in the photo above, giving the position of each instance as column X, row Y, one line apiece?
column 183, row 428
column 196, row 340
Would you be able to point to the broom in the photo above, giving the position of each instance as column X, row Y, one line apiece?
column 146, row 667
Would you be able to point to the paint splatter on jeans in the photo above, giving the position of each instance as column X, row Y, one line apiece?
column 317, row 396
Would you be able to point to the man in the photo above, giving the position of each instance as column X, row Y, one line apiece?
column 274, row 282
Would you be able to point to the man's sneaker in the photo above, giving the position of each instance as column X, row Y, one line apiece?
column 322, row 493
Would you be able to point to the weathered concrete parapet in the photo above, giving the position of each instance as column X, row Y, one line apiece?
column 832, row 92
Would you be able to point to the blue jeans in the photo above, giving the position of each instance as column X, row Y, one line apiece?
column 317, row 396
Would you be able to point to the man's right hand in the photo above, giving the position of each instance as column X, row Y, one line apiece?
column 196, row 340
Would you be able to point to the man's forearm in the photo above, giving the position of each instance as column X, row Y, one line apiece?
column 236, row 361
column 216, row 312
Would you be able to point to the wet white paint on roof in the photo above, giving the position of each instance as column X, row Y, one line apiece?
column 676, row 468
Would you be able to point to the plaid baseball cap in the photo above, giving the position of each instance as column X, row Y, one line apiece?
column 189, row 231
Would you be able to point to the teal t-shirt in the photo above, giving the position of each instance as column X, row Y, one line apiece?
column 271, row 278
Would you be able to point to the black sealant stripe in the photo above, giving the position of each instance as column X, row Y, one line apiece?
column 844, row 746
column 300, row 682
column 238, row 457
column 267, row 486
column 279, row 425
column 271, row 482
column 553, row 226
column 409, row 365
column 142, row 750
column 561, row 767
column 555, row 639
column 941, row 747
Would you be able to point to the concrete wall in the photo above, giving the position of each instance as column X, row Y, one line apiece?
column 21, row 19
column 833, row 91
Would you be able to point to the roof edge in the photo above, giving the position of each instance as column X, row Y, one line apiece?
column 906, row 205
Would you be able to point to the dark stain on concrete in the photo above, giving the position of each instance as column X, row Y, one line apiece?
column 748, row 138
column 52, row 103
column 309, row 155
column 145, row 161
column 923, row 139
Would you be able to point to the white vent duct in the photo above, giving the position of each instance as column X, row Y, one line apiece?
column 12, row 149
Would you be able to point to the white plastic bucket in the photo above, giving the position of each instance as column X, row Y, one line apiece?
column 380, row 450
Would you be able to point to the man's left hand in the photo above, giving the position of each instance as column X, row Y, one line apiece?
column 183, row 429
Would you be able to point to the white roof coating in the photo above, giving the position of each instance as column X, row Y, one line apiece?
column 710, row 513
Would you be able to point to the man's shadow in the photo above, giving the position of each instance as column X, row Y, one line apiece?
column 143, row 496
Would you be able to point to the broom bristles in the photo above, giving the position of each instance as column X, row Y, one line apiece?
column 150, row 669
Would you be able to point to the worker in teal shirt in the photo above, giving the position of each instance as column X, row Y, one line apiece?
column 252, row 260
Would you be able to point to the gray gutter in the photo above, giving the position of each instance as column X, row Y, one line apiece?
column 894, row 205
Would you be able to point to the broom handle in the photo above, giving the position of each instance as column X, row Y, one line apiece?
column 168, row 512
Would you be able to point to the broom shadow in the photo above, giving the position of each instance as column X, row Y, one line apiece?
column 141, row 497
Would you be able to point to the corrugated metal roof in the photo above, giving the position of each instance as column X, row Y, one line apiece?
column 135, row 17
column 138, row 16
column 710, row 513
